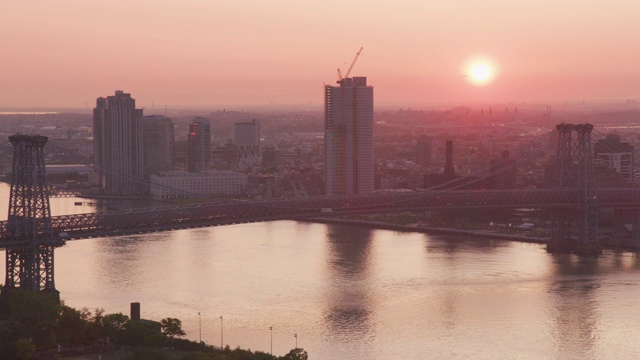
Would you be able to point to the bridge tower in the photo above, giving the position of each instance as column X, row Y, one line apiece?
column 29, row 260
column 574, row 169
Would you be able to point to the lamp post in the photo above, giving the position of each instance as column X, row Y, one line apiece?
column 271, row 330
column 200, row 325
column 296, row 337
column 221, row 332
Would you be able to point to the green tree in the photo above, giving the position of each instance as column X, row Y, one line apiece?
column 34, row 312
column 9, row 335
column 222, row 357
column 148, row 354
column 259, row 355
column 197, row 355
column 172, row 327
column 25, row 349
column 113, row 325
column 137, row 333
column 296, row 354
column 95, row 330
column 71, row 327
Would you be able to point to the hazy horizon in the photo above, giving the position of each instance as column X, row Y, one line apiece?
column 259, row 54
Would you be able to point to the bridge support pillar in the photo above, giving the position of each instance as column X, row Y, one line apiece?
column 574, row 169
column 635, row 235
column 29, row 259
column 617, row 227
column 561, row 231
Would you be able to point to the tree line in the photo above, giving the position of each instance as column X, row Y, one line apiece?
column 36, row 325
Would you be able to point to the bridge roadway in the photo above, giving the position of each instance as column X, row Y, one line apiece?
column 243, row 211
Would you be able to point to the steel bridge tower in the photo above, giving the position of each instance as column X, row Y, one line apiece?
column 575, row 229
column 29, row 258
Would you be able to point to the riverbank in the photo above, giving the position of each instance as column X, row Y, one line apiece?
column 431, row 230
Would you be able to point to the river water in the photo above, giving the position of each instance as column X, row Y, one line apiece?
column 357, row 293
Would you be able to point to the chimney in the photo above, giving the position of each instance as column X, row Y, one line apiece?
column 135, row 311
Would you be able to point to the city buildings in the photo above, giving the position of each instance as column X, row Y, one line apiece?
column 246, row 136
column 503, row 172
column 118, row 144
column 348, row 137
column 199, row 145
column 616, row 154
column 158, row 144
column 423, row 151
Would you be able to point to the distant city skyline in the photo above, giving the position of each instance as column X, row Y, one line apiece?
column 258, row 53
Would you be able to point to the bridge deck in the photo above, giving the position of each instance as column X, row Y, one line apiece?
column 240, row 211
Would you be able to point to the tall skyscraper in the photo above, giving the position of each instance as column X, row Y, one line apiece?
column 118, row 144
column 158, row 144
column 246, row 136
column 348, row 137
column 199, row 145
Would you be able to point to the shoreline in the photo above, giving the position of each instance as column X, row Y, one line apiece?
column 430, row 230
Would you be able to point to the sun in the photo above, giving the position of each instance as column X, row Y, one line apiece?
column 480, row 71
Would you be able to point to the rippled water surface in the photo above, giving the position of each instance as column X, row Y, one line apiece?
column 355, row 293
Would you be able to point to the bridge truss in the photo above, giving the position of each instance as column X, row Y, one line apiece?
column 28, row 229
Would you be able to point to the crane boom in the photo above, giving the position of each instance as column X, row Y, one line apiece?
column 346, row 75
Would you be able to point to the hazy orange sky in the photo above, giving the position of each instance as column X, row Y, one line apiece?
column 218, row 53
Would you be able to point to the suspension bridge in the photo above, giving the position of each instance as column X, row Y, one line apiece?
column 30, row 234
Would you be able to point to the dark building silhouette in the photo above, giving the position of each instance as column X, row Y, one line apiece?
column 158, row 144
column 225, row 157
column 199, row 145
column 502, row 173
column 448, row 179
column 118, row 144
column 616, row 155
column 449, row 171
column 269, row 155
column 246, row 136
column 180, row 154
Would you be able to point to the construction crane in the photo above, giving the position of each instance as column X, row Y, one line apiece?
column 346, row 75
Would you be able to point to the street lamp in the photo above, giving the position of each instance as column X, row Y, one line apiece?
column 296, row 336
column 271, row 330
column 200, row 325
column 220, row 332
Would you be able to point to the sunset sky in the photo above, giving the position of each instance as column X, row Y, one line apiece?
column 218, row 53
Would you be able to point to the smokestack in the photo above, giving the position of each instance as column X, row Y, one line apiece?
column 135, row 311
column 449, row 172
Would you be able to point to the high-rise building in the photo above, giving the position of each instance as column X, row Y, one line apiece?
column 158, row 144
column 348, row 137
column 199, row 145
column 616, row 154
column 246, row 136
column 118, row 144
